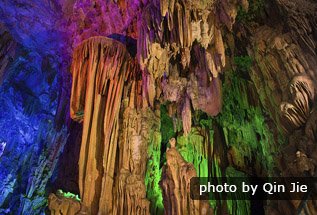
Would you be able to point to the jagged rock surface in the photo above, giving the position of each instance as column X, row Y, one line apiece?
column 60, row 205
column 7, row 50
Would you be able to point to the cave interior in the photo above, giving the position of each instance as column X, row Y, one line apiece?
column 113, row 106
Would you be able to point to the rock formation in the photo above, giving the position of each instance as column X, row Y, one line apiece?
column 284, row 73
column 302, row 91
column 99, row 71
column 120, row 168
column 181, row 52
column 59, row 204
column 130, row 191
column 170, row 33
column 100, row 68
column 119, row 82
column 7, row 50
column 176, row 185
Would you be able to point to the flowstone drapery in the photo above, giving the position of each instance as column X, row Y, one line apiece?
column 100, row 68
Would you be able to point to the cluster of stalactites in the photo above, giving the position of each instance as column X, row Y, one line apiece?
column 107, row 57
column 168, row 32
column 175, row 25
column 297, row 110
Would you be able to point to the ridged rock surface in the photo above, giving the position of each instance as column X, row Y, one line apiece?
column 99, row 70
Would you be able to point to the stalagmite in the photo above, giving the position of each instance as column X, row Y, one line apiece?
column 58, row 204
column 187, row 116
column 138, row 125
column 99, row 70
column 175, row 184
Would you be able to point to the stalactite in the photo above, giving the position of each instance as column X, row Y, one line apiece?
column 106, row 65
column 99, row 70
column 173, row 27
column 204, row 89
